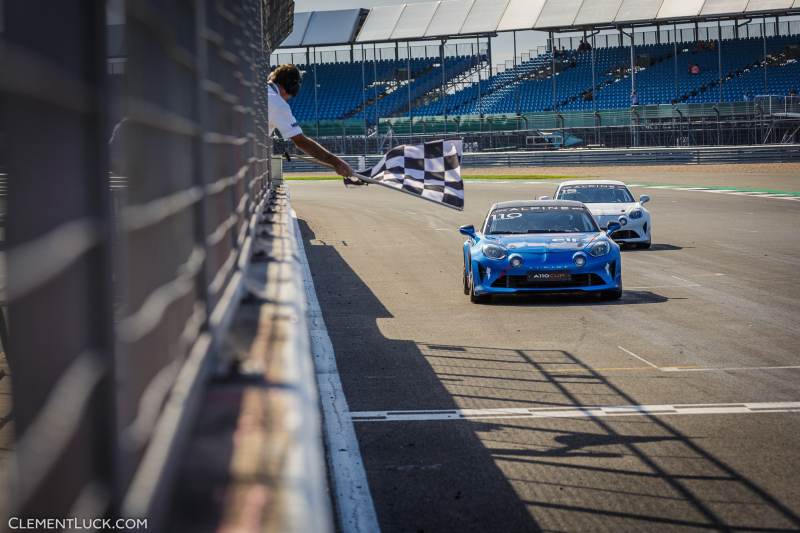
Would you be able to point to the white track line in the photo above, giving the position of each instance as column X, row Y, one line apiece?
column 733, row 192
column 686, row 281
column 576, row 411
column 706, row 369
column 640, row 358
column 726, row 369
column 354, row 505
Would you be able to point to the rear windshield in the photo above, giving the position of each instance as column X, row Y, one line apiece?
column 596, row 194
column 538, row 219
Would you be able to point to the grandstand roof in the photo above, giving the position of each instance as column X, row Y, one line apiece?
column 455, row 18
column 324, row 28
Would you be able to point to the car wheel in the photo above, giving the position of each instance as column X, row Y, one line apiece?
column 613, row 294
column 465, row 280
column 643, row 245
column 476, row 298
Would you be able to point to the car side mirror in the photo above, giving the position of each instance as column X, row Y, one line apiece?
column 643, row 199
column 545, row 198
column 612, row 227
column 468, row 230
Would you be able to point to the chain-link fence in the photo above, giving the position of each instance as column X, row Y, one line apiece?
column 131, row 207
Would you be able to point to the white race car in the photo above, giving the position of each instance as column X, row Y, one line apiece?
column 612, row 200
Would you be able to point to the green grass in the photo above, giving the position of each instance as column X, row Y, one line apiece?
column 332, row 177
column 518, row 177
column 465, row 176
column 721, row 188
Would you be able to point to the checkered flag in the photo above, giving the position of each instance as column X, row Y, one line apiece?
column 431, row 171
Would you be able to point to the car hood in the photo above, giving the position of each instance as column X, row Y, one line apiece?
column 610, row 209
column 543, row 242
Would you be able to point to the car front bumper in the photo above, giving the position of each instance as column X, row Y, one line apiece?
column 636, row 230
column 598, row 274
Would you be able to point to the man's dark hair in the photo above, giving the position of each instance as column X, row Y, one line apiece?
column 288, row 77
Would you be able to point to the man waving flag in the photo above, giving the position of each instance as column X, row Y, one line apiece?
column 431, row 171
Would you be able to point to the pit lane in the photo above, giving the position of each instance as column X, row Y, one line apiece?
column 702, row 344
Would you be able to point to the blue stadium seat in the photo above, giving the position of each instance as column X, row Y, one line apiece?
column 528, row 87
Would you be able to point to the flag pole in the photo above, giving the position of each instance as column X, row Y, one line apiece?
column 367, row 179
column 415, row 195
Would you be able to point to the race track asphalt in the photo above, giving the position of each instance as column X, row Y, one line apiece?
column 709, row 320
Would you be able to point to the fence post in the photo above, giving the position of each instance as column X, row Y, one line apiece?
column 764, row 56
column 316, row 88
column 553, row 70
column 719, row 58
column 675, row 61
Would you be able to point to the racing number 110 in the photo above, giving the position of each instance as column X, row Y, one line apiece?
column 505, row 216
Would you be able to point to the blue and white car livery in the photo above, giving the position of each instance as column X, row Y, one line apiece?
column 540, row 246
column 612, row 200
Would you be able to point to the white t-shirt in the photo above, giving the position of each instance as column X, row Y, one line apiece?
column 280, row 114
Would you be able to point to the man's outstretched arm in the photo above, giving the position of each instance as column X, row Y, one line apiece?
column 315, row 150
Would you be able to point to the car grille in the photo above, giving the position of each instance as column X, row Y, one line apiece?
column 625, row 234
column 522, row 282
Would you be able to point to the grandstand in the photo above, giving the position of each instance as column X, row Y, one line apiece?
column 670, row 53
column 383, row 90
column 662, row 74
column 662, row 78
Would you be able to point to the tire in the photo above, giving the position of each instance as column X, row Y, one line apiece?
column 613, row 294
column 477, row 298
column 465, row 280
column 643, row 245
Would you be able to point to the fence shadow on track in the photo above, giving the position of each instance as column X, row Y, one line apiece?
column 623, row 473
column 423, row 477
column 518, row 474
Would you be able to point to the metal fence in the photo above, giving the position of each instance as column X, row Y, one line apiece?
column 672, row 33
column 482, row 48
column 395, row 51
column 766, row 120
column 604, row 157
column 120, row 290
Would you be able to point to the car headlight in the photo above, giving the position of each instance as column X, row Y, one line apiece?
column 635, row 214
column 492, row 251
column 599, row 249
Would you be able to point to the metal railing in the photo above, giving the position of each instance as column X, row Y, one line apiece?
column 120, row 291
column 765, row 120
column 604, row 157
column 672, row 34
column 395, row 51
column 778, row 105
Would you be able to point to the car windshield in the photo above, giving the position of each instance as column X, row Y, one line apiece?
column 596, row 194
column 540, row 219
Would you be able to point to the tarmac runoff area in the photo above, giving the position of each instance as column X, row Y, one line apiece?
column 677, row 407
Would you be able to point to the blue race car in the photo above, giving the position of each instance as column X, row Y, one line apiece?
column 541, row 246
